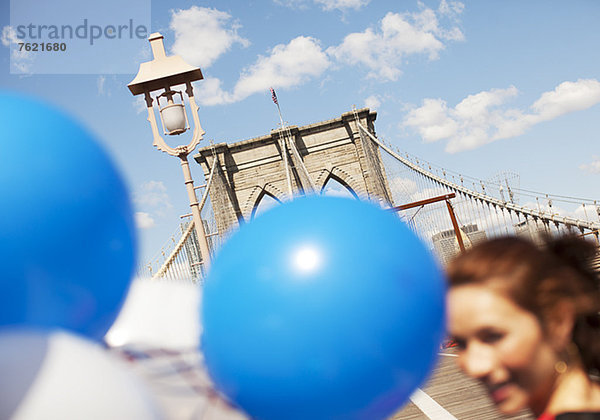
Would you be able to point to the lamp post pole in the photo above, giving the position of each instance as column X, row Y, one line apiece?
column 164, row 72
column 196, row 216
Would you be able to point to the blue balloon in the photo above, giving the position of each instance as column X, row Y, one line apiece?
column 67, row 240
column 322, row 308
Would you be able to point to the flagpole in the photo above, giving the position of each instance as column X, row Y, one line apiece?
column 280, row 117
column 283, row 146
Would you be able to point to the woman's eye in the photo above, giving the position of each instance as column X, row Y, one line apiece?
column 491, row 337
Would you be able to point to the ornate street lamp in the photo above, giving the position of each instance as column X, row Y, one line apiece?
column 163, row 73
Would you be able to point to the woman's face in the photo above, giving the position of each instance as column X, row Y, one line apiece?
column 501, row 345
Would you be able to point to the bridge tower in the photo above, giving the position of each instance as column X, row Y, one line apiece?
column 299, row 160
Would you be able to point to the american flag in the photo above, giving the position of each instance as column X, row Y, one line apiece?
column 274, row 97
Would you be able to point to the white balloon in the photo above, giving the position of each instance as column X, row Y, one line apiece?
column 158, row 313
column 57, row 375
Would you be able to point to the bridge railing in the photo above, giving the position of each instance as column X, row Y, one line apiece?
column 492, row 211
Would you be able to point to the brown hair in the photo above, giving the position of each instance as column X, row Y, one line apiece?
column 537, row 278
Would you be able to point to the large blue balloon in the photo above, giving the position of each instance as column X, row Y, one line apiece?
column 323, row 308
column 67, row 240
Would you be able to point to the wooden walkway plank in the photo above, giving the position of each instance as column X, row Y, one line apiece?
column 461, row 396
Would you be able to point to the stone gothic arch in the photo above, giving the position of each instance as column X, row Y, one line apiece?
column 256, row 196
column 343, row 178
column 314, row 153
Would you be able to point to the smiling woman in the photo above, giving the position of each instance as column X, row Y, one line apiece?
column 527, row 324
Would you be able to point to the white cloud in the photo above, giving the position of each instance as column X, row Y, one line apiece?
column 383, row 50
column 106, row 83
column 373, row 102
column 9, row 36
column 153, row 195
column 482, row 118
column 20, row 59
column 403, row 187
column 211, row 93
column 548, row 207
column 567, row 97
column 139, row 104
column 451, row 8
column 588, row 213
column 593, row 167
column 407, row 190
column 427, row 193
column 294, row 4
column 342, row 4
column 144, row 220
column 432, row 120
column 203, row 34
column 326, row 5
column 303, row 58
column 100, row 81
column 287, row 65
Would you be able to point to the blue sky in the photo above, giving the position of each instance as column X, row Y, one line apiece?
column 476, row 87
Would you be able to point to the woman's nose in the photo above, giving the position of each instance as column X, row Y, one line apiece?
column 477, row 360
